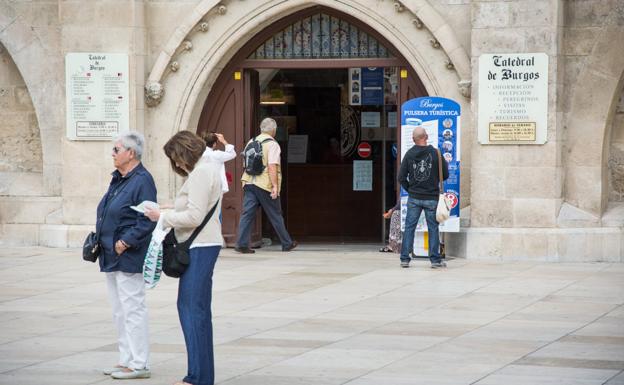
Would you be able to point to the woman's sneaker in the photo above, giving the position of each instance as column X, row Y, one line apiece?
column 112, row 370
column 131, row 374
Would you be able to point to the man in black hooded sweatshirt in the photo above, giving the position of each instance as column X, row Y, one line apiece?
column 419, row 176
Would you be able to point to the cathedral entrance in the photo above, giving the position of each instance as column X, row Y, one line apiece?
column 334, row 86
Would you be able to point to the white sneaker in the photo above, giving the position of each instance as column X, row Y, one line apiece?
column 134, row 373
column 112, row 370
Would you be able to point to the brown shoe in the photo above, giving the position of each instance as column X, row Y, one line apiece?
column 292, row 246
column 244, row 250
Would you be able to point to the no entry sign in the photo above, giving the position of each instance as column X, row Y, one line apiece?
column 364, row 150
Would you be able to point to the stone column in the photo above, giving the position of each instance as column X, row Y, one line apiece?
column 516, row 189
column 115, row 26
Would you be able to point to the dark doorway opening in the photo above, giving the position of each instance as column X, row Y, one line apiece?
column 331, row 192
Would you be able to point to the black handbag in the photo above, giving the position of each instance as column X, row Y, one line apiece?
column 91, row 248
column 175, row 254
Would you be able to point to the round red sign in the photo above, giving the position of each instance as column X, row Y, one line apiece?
column 364, row 150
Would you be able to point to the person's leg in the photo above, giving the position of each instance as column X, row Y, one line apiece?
column 118, row 319
column 248, row 216
column 411, row 220
column 132, row 297
column 430, row 207
column 198, row 324
column 273, row 209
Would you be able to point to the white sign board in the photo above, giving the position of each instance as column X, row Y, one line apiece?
column 97, row 95
column 513, row 98
column 371, row 119
column 362, row 175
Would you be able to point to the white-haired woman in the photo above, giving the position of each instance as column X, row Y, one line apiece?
column 124, row 235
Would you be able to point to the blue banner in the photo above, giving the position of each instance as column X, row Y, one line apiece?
column 372, row 86
column 440, row 118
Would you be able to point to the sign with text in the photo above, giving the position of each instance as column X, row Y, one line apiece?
column 513, row 98
column 362, row 175
column 97, row 95
column 440, row 119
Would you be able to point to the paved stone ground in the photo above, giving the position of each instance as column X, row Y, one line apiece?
column 328, row 315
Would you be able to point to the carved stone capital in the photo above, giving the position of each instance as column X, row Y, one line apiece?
column 465, row 88
column 417, row 23
column 435, row 43
column 222, row 9
column 154, row 92
column 398, row 6
column 449, row 65
column 187, row 45
column 203, row 26
column 174, row 66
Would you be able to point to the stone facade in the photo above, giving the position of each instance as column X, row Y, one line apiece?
column 551, row 202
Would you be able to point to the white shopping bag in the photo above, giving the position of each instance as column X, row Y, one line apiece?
column 152, row 265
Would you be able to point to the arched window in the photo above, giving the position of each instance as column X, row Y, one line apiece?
column 320, row 36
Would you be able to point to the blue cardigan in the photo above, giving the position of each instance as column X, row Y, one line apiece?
column 116, row 220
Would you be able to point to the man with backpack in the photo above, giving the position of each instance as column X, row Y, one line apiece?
column 262, row 179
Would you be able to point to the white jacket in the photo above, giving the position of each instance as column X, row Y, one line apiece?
column 221, row 157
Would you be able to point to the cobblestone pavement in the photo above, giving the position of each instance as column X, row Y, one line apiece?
column 326, row 315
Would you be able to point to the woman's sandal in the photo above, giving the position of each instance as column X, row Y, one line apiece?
column 385, row 249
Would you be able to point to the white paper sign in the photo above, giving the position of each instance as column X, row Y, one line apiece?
column 513, row 98
column 297, row 148
column 407, row 142
column 371, row 119
column 392, row 119
column 97, row 95
column 362, row 175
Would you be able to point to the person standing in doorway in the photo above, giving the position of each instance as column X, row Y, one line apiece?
column 263, row 190
column 214, row 155
column 419, row 176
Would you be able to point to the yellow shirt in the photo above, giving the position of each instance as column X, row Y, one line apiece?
column 270, row 155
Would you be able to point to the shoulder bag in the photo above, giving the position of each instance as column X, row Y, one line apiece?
column 176, row 254
column 443, row 211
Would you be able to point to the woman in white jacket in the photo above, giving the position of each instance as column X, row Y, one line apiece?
column 199, row 194
column 218, row 156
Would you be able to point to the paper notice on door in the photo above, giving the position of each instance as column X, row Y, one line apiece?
column 297, row 148
column 362, row 175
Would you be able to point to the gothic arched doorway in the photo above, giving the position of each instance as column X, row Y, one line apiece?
column 332, row 83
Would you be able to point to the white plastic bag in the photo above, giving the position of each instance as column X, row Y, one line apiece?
column 152, row 265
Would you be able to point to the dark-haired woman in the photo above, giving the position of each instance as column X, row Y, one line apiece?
column 199, row 194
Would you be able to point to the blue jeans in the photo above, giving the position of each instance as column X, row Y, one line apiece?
column 194, row 302
column 254, row 196
column 414, row 208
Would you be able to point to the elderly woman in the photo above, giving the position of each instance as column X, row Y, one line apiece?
column 124, row 235
column 200, row 193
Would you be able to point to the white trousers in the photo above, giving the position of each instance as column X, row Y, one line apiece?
column 126, row 292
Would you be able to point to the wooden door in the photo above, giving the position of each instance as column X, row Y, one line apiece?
column 223, row 113
column 251, row 128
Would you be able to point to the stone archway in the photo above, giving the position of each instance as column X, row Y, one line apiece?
column 588, row 133
column 29, row 54
column 194, row 61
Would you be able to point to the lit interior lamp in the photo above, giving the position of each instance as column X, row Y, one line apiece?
column 276, row 97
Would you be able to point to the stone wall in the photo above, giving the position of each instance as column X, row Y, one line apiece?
column 20, row 143
column 616, row 154
column 593, row 75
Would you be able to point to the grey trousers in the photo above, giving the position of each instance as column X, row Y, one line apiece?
column 254, row 196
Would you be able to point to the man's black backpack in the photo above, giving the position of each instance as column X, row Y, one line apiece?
column 252, row 156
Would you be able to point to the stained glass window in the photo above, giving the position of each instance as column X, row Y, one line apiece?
column 320, row 36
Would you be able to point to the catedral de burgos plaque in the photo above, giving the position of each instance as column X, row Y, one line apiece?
column 97, row 89
column 513, row 98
